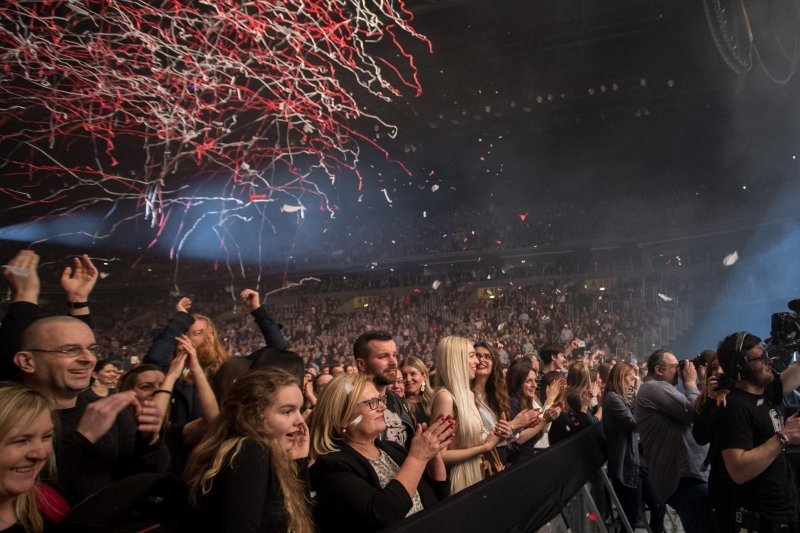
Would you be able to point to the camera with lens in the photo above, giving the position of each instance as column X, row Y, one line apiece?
column 784, row 341
column 698, row 361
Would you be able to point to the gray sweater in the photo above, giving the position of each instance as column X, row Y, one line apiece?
column 664, row 419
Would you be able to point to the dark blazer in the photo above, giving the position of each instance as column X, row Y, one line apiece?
column 349, row 496
column 623, row 440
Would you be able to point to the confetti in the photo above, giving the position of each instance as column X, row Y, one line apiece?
column 731, row 259
column 357, row 420
column 436, row 284
column 664, row 297
column 434, row 188
column 17, row 271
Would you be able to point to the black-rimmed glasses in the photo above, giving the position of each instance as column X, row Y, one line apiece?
column 372, row 403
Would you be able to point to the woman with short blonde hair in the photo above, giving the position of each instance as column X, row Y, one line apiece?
column 26, row 444
column 363, row 483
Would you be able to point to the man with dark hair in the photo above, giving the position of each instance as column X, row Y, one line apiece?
column 664, row 419
column 553, row 357
column 752, row 436
column 376, row 355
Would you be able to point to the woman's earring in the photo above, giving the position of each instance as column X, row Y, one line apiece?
column 422, row 389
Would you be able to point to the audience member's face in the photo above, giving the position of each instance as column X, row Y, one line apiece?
column 668, row 370
column 61, row 374
column 381, row 361
column 282, row 418
column 147, row 383
column 351, row 369
column 630, row 379
column 560, row 360
column 337, row 370
column 473, row 363
column 369, row 423
column 23, row 453
column 412, row 380
column 529, row 387
column 321, row 382
column 107, row 376
column 485, row 362
column 760, row 369
column 197, row 332
column 398, row 386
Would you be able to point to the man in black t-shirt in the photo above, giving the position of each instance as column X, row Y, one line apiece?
column 752, row 436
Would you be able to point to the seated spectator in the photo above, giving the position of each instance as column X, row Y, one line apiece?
column 365, row 482
column 248, row 472
column 418, row 390
column 26, row 447
column 98, row 442
column 456, row 365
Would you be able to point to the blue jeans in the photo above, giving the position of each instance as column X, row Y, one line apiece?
column 693, row 504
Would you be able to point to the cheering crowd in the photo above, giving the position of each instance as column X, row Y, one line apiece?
column 325, row 419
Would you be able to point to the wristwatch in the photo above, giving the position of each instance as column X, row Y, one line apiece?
column 782, row 439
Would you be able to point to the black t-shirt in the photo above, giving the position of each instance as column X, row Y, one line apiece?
column 746, row 422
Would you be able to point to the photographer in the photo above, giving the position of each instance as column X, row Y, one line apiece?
column 753, row 436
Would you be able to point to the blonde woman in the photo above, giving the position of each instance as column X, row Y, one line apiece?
column 363, row 483
column 418, row 390
column 26, row 446
column 456, row 365
column 243, row 475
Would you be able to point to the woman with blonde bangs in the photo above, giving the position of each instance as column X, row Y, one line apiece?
column 418, row 390
column 248, row 473
column 456, row 365
column 26, row 447
column 364, row 482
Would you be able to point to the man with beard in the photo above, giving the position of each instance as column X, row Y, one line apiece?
column 753, row 437
column 376, row 355
column 664, row 420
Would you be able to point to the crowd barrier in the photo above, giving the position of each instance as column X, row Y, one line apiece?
column 523, row 497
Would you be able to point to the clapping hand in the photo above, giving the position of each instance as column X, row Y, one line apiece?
column 78, row 280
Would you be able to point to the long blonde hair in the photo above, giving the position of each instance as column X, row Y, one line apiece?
column 212, row 354
column 241, row 419
column 334, row 411
column 452, row 375
column 18, row 402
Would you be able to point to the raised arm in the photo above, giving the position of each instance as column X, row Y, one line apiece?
column 163, row 346
column 209, row 410
column 23, row 279
column 78, row 282
column 273, row 336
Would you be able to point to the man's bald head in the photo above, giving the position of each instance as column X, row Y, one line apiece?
column 42, row 329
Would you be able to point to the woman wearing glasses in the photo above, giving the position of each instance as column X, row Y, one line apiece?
column 360, row 480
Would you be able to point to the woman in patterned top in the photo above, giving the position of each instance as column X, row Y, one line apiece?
column 364, row 482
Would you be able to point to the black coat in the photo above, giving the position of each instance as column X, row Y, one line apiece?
column 349, row 496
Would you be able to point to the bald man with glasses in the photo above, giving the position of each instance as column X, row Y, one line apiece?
column 98, row 442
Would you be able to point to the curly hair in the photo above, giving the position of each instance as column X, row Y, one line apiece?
column 241, row 419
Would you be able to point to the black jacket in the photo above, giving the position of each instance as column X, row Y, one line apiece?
column 349, row 495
